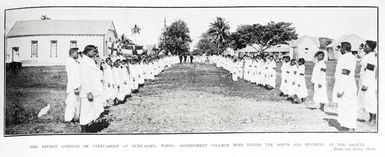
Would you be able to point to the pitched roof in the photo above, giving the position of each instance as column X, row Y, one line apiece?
column 279, row 48
column 249, row 48
column 60, row 27
column 353, row 39
column 314, row 40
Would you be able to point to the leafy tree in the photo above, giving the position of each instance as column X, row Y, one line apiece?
column 219, row 33
column 264, row 36
column 176, row 38
column 206, row 46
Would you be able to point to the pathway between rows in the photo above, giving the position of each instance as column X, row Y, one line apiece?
column 201, row 98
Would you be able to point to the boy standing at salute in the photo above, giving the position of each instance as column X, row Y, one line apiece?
column 368, row 82
column 318, row 78
column 345, row 88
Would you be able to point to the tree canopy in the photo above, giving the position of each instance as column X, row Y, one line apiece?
column 176, row 38
column 260, row 37
column 264, row 36
column 206, row 46
column 219, row 33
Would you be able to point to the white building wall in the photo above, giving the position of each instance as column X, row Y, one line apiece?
column 308, row 54
column 44, row 45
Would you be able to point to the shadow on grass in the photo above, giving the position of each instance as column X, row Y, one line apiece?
column 331, row 114
column 100, row 124
column 312, row 108
column 334, row 123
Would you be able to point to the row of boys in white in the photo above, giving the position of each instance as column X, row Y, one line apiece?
column 293, row 80
column 87, row 76
column 122, row 79
column 255, row 71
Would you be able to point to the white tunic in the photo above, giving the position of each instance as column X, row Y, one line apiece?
column 72, row 101
column 319, row 78
column 271, row 74
column 345, row 83
column 284, row 77
column 91, row 83
column 368, row 98
column 109, row 87
column 301, row 82
column 291, row 80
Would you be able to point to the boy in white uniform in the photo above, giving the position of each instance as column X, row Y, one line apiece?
column 301, row 81
column 92, row 88
column 345, row 88
column 291, row 88
column 72, row 102
column 284, row 75
column 109, row 82
column 318, row 78
column 368, row 82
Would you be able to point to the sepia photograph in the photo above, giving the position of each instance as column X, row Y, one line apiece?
column 121, row 70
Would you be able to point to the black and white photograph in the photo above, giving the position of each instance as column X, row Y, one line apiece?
column 191, row 78
column 181, row 70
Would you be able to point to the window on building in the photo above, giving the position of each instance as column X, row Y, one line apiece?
column 306, row 48
column 34, row 49
column 15, row 54
column 73, row 44
column 15, row 51
column 53, row 52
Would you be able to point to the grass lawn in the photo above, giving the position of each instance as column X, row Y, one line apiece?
column 35, row 87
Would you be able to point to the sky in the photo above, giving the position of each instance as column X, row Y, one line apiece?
column 320, row 22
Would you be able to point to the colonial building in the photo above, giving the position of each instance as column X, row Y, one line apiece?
column 280, row 50
column 47, row 42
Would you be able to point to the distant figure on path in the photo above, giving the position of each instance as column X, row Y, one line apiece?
column 180, row 58
column 191, row 58
column 185, row 58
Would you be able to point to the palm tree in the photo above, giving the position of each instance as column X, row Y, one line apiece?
column 135, row 30
column 44, row 17
column 219, row 33
column 125, row 43
column 124, row 40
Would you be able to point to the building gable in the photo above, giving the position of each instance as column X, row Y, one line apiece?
column 60, row 27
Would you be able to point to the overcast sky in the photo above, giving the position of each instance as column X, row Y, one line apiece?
column 321, row 22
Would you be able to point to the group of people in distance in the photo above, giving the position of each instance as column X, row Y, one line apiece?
column 95, row 84
column 260, row 70
column 350, row 100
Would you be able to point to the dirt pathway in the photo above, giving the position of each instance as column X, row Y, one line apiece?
column 200, row 98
